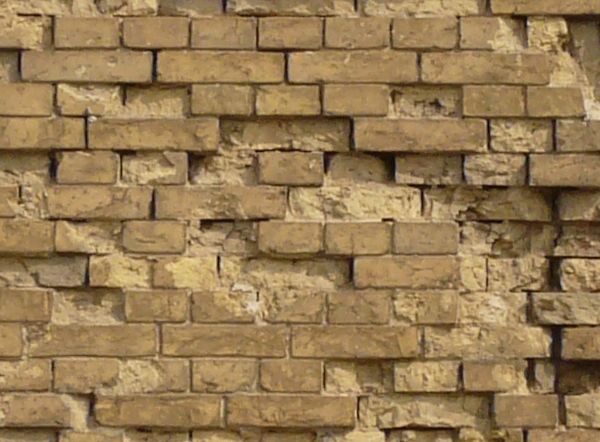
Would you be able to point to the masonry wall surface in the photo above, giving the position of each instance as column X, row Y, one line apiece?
column 300, row 220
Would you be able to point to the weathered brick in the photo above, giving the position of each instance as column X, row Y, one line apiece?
column 564, row 435
column 222, row 306
column 566, row 308
column 578, row 136
column 581, row 343
column 224, row 33
column 357, row 33
column 172, row 411
column 485, row 68
column 155, row 168
column 425, row 33
column 119, row 271
column 84, row 167
column 154, row 236
column 292, row 305
column 497, row 33
column 198, row 134
column 355, row 99
column 351, row 342
column 557, row 102
column 358, row 307
column 288, row 375
column 225, row 340
column 368, row 238
column 288, row 100
column 77, row 66
column 223, row 67
column 406, row 272
column 156, row 32
column 26, row 99
column 580, row 274
column 42, row 133
column 526, row 410
column 424, row 238
column 24, row 32
column 543, row 7
column 565, row 170
column 495, row 169
column 290, row 33
column 290, row 238
column 383, row 135
column 403, row 8
column 352, row 67
column 292, row 411
column 198, row 272
column 216, row 202
column 24, row 305
column 99, row 202
column 25, row 375
column 510, row 135
column 579, row 205
column 84, row 237
column 88, row 99
column 518, row 274
column 426, row 376
column 428, row 169
column 36, row 410
column 223, row 376
column 493, row 101
column 156, row 306
column 222, row 99
column 92, row 32
column 494, row 376
column 26, row 236
column 291, row 7
column 193, row 8
column 93, row 340
column 9, row 196
column 11, row 340
column 582, row 410
column 308, row 168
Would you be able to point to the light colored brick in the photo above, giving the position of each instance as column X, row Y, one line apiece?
column 26, row 236
column 566, row 308
column 198, row 272
column 290, row 238
column 493, row 101
column 357, row 32
column 582, row 410
column 26, row 99
column 358, row 307
column 567, row 170
column 9, row 196
column 288, row 375
column 291, row 7
column 222, row 99
column 84, row 237
column 33, row 375
column 156, row 32
column 224, row 33
column 496, row 33
column 425, row 33
column 293, row 305
column 356, row 99
column 495, row 169
column 79, row 32
column 223, row 306
column 308, row 168
column 402, row 8
column 543, row 7
column 368, row 238
column 119, row 271
column 508, row 135
column 83, row 167
column 156, row 305
column 557, row 102
column 222, row 376
column 155, row 168
column 290, row 33
column 426, row 376
column 424, row 238
column 288, row 100
column 564, row 435
column 495, row 376
column 86, row 99
column 154, row 236
column 25, row 32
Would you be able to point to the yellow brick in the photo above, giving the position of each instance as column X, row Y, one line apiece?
column 425, row 33
column 88, row 99
column 220, row 376
column 42, row 133
column 291, row 7
column 581, row 343
column 578, row 136
column 199, row 272
column 224, row 33
column 369, row 238
column 36, row 410
column 290, row 33
column 78, row 32
column 425, row 238
column 24, row 305
column 25, row 375
column 156, row 32
column 288, row 375
column 497, row 33
column 290, row 238
column 11, row 340
column 357, row 33
column 26, row 99
column 222, row 99
column 154, row 236
column 26, row 236
column 84, row 167
column 25, row 32
column 307, row 171
column 119, row 271
column 222, row 305
column 156, row 306
column 9, row 196
column 543, row 7
column 358, row 99
column 155, row 168
column 288, row 100
column 359, row 307
column 564, row 170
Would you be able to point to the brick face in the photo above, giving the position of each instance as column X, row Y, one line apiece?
column 300, row 221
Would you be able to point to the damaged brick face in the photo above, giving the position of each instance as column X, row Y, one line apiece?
column 300, row 221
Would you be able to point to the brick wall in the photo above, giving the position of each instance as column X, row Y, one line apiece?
column 300, row 221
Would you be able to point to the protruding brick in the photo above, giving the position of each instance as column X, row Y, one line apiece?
column 368, row 238
column 495, row 169
column 291, row 7
column 84, row 167
column 224, row 33
column 290, row 33
column 565, row 170
column 582, row 410
column 86, row 32
column 359, row 307
column 428, row 169
column 32, row 375
column 119, row 271
column 199, row 272
column 357, row 32
column 154, row 236
column 307, row 171
column 501, row 376
column 290, row 237
column 425, row 33
column 430, row 376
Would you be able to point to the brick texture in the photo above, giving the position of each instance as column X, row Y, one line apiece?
column 300, row 221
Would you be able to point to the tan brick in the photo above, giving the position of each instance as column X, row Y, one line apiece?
column 351, row 342
column 84, row 167
column 288, row 375
column 439, row 376
column 222, row 99
column 359, row 307
column 83, row 237
column 372, row 134
column 368, row 238
column 155, row 168
column 198, row 134
column 26, row 99
column 291, row 7
column 290, row 33
column 493, row 101
column 224, row 33
column 581, row 343
column 11, row 340
column 198, row 272
column 495, row 169
column 485, row 68
column 9, row 196
column 288, row 100
column 292, row 411
column 520, row 136
column 193, row 8
column 154, row 236
column 84, row 375
column 425, row 238
column 9, row 66
column 223, row 376
column 308, row 168
column 428, row 169
column 290, row 238
column 103, row 66
column 54, row 271
column 414, row 7
column 578, row 274
column 357, row 32
column 298, row 134
column 495, row 376
column 92, row 32
column 156, row 306
column 567, row 170
column 86, row 99
column 582, row 410
column 578, row 136
column 292, row 305
column 24, row 305
column 425, row 33
column 353, row 67
column 119, row 271
column 557, row 102
column 566, row 308
column 356, row 99
column 497, row 33
column 26, row 236
column 98, row 202
column 543, row 7
column 564, row 435
column 25, row 32
column 579, row 205
column 526, row 411
column 156, row 32
column 406, row 272
column 359, row 168
column 42, row 133
column 217, row 202
column 25, row 375
column 222, row 306
column 225, row 340
column 91, row 340
column 36, row 410
column 223, row 67
column 182, row 411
